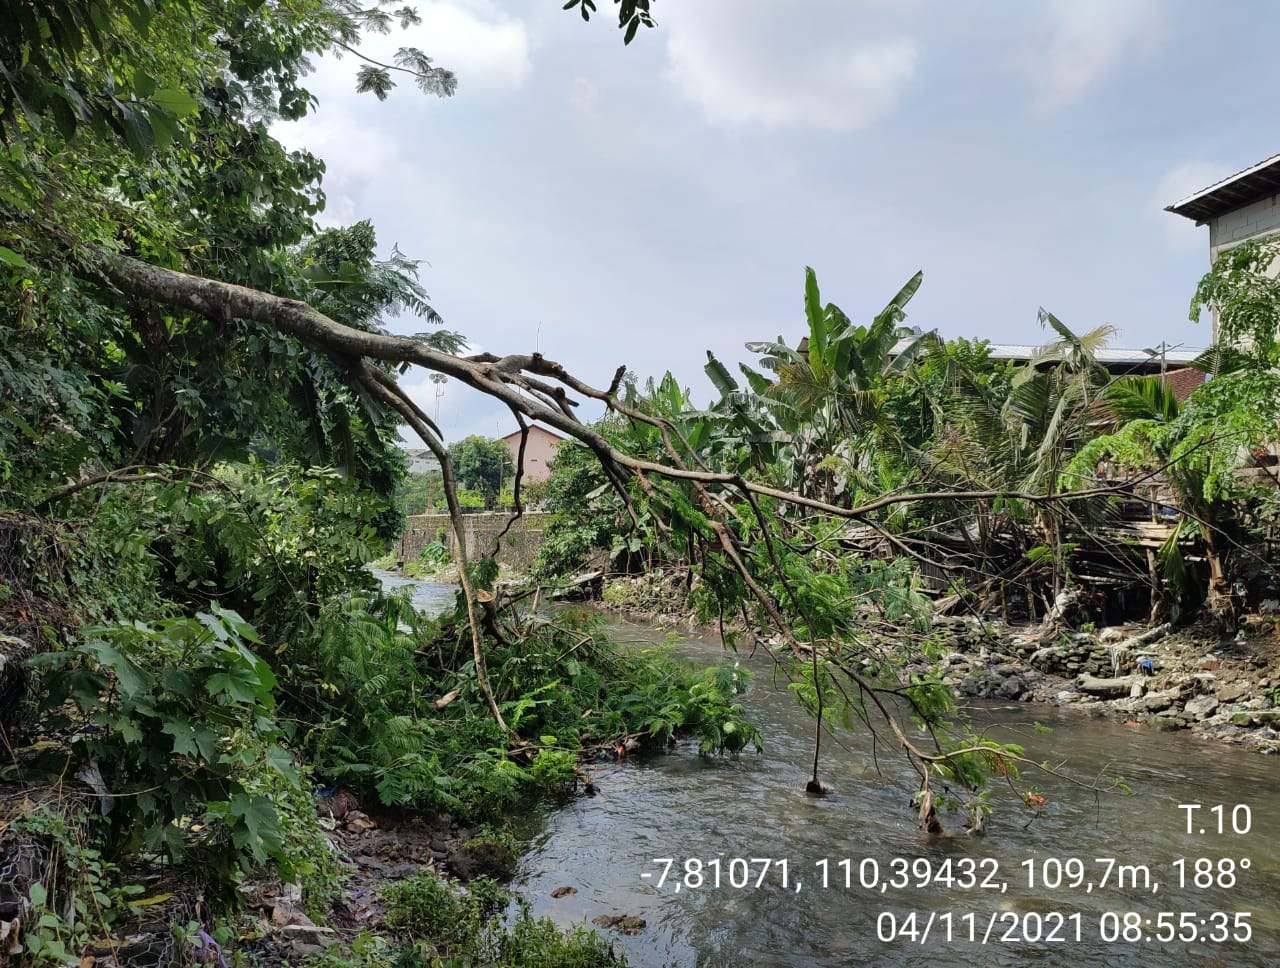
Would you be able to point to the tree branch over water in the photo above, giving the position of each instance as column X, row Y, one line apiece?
column 537, row 389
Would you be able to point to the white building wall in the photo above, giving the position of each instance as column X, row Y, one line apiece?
column 1260, row 218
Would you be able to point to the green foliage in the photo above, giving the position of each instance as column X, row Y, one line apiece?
column 481, row 465
column 538, row 943
column 466, row 927
column 1244, row 293
column 828, row 399
column 421, row 493
column 178, row 718
column 586, row 514
column 632, row 15
column 394, row 708
column 77, row 896
column 431, row 560
column 89, row 66
column 270, row 541
column 55, row 412
column 1218, row 428
column 712, row 715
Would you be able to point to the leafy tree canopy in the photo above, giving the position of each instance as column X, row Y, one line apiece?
column 482, row 465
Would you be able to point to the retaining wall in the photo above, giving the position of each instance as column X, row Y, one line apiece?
column 518, row 549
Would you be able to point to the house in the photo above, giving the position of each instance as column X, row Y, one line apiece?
column 421, row 461
column 1238, row 209
column 538, row 451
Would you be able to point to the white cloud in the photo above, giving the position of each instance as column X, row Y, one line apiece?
column 484, row 47
column 1089, row 39
column 487, row 49
column 358, row 156
column 781, row 64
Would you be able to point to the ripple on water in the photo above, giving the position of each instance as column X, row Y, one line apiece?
column 680, row 805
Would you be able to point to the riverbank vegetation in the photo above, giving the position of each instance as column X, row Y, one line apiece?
column 199, row 455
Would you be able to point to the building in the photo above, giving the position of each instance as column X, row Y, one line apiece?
column 1173, row 363
column 421, row 461
column 538, row 451
column 1241, row 208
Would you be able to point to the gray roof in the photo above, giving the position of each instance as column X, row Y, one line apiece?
column 1231, row 193
column 1113, row 355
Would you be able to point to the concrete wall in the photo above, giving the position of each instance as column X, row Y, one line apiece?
column 518, row 550
column 1260, row 218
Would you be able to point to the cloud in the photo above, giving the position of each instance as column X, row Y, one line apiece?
column 1088, row 40
column 358, row 156
column 488, row 50
column 786, row 64
column 484, row 47
column 1188, row 178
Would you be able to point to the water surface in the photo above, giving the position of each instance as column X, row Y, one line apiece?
column 682, row 806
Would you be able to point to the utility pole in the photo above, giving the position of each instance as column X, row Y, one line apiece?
column 439, row 379
column 1162, row 351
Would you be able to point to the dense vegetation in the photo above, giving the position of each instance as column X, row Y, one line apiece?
column 999, row 479
column 198, row 455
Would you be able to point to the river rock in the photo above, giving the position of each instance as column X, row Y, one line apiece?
column 1011, row 688
column 1107, row 688
column 1256, row 717
column 1202, row 708
column 1233, row 691
column 1155, row 702
column 626, row 923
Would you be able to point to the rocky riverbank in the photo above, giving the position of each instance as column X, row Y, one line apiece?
column 1191, row 678
column 1226, row 689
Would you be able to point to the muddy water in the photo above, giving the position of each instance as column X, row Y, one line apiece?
column 1105, row 867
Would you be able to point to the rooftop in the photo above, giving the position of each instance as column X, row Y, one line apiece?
column 1115, row 356
column 1108, row 356
column 514, row 436
column 1231, row 193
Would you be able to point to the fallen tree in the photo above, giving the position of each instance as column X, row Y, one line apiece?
column 735, row 519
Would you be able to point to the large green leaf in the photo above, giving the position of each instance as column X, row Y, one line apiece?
column 816, row 317
column 177, row 102
column 11, row 258
column 720, row 377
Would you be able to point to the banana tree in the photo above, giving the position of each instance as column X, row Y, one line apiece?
column 818, row 407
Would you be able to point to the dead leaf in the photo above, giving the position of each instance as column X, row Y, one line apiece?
column 447, row 698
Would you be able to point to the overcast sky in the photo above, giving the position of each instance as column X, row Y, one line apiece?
column 640, row 205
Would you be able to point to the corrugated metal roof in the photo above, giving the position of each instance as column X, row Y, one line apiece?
column 1115, row 356
column 1025, row 351
column 1233, row 192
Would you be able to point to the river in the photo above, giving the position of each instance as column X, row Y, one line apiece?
column 1088, row 879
